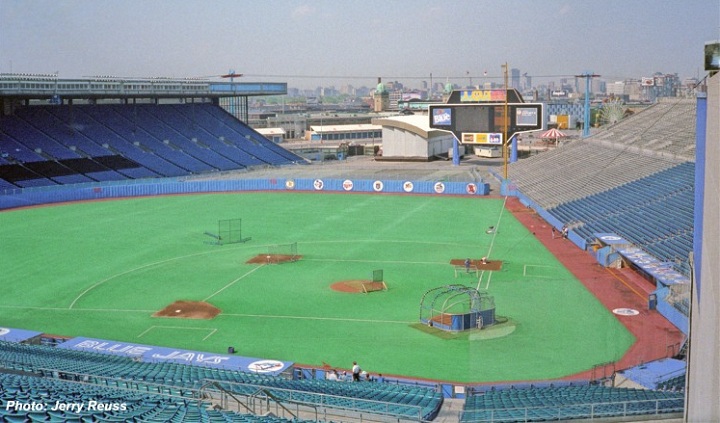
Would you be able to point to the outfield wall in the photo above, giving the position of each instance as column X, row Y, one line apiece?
column 96, row 191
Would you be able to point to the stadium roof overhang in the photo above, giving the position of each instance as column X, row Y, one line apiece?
column 416, row 124
column 49, row 87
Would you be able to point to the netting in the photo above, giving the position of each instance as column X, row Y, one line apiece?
column 230, row 232
column 290, row 250
column 378, row 276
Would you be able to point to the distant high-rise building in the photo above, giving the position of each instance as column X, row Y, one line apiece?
column 597, row 86
column 616, row 89
column 515, row 78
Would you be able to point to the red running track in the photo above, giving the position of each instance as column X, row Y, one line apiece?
column 656, row 337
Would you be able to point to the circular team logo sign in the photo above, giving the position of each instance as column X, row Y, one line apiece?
column 610, row 238
column 439, row 187
column 318, row 184
column 471, row 188
column 626, row 312
column 4, row 331
column 378, row 186
column 266, row 366
column 347, row 185
column 408, row 186
column 290, row 184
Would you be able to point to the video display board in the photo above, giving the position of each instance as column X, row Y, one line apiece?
column 484, row 123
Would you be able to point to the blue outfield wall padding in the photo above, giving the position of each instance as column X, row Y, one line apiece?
column 667, row 310
column 94, row 191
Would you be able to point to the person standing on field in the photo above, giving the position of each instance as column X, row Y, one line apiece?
column 356, row 372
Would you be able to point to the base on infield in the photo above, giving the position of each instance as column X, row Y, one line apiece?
column 357, row 286
column 189, row 310
column 478, row 264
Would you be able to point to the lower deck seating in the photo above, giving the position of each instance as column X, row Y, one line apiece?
column 388, row 399
column 566, row 403
column 38, row 399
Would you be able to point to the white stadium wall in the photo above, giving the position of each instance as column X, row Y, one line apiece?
column 703, row 374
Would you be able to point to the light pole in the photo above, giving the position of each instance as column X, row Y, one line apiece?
column 506, row 144
column 586, row 115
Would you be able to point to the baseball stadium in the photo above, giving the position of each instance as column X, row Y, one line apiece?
column 163, row 261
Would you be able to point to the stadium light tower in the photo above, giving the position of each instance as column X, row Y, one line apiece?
column 586, row 117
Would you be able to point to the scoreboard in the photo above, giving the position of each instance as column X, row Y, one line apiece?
column 484, row 123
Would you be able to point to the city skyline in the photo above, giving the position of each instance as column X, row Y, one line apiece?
column 322, row 43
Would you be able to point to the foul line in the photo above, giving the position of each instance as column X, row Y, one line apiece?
column 212, row 330
column 497, row 227
column 117, row 275
column 233, row 282
column 375, row 261
column 334, row 319
column 490, row 247
column 625, row 283
column 111, row 310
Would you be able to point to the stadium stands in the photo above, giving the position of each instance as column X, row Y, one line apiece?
column 385, row 399
column 50, row 145
column 567, row 403
column 655, row 213
column 101, row 403
column 662, row 129
column 635, row 179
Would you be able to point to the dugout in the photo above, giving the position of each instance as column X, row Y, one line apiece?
column 457, row 308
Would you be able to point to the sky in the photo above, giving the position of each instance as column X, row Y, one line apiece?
column 336, row 42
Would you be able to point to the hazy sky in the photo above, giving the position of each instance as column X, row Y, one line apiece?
column 320, row 43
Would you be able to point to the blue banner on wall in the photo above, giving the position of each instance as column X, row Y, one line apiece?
column 153, row 354
column 17, row 335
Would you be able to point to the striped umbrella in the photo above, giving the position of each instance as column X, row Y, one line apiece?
column 552, row 134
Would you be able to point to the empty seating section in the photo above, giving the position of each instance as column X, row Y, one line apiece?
column 662, row 128
column 255, row 144
column 379, row 398
column 102, row 403
column 566, row 403
column 581, row 169
column 126, row 141
column 33, row 137
column 194, row 145
column 635, row 179
column 655, row 213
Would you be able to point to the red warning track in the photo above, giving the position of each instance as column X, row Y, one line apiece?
column 656, row 337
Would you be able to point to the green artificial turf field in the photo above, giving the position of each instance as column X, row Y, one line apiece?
column 101, row 269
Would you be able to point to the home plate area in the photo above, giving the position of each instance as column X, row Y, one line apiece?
column 189, row 310
column 358, row 286
column 273, row 259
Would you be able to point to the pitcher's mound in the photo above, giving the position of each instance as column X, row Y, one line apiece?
column 189, row 310
column 357, row 286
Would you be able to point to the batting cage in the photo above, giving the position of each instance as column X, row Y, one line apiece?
column 456, row 308
column 229, row 232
